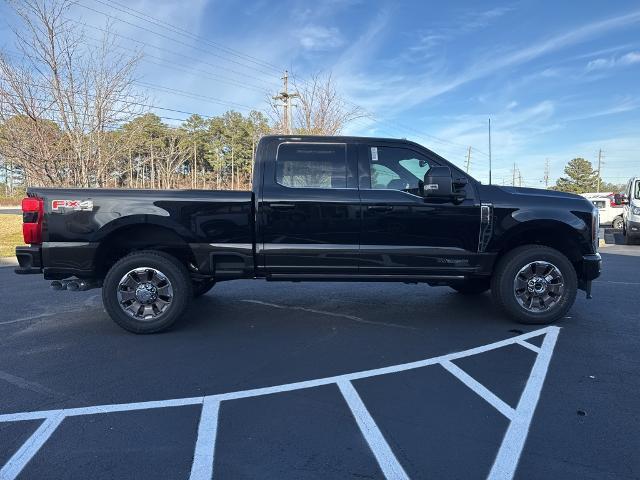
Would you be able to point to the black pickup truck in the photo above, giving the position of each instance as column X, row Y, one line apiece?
column 322, row 209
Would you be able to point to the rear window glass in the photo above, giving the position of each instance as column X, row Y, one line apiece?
column 600, row 203
column 305, row 165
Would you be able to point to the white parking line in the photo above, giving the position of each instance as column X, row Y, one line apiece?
column 478, row 388
column 506, row 462
column 202, row 467
column 503, row 468
column 29, row 448
column 379, row 447
column 528, row 345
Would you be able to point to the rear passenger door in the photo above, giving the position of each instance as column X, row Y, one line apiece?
column 310, row 210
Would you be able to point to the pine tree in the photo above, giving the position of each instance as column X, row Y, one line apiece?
column 580, row 177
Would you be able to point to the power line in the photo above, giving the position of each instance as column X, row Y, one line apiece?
column 193, row 95
column 219, row 101
column 125, row 100
column 178, row 54
column 173, row 28
column 155, row 21
column 130, row 103
column 174, row 40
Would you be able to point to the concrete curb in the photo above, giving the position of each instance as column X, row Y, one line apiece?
column 8, row 261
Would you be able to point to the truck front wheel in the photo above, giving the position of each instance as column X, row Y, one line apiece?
column 146, row 291
column 534, row 284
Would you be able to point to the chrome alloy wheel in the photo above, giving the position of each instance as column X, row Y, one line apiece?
column 144, row 293
column 538, row 286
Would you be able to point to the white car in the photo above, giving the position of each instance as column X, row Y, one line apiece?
column 610, row 211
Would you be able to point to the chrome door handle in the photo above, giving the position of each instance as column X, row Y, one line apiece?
column 380, row 208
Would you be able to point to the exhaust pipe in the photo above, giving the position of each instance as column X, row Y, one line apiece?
column 75, row 285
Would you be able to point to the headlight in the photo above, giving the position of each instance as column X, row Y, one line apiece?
column 635, row 210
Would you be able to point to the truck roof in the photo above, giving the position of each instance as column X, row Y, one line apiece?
column 342, row 138
column 347, row 139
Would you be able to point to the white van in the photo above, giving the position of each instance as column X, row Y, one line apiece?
column 610, row 211
column 631, row 215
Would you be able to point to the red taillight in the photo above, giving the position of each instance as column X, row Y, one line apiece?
column 32, row 216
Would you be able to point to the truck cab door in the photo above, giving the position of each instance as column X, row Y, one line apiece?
column 309, row 213
column 402, row 231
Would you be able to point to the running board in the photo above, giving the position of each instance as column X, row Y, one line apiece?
column 332, row 277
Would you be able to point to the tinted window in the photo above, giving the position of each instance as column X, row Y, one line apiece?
column 305, row 165
column 636, row 194
column 396, row 168
column 381, row 176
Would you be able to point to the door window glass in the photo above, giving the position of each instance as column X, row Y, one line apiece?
column 305, row 165
column 382, row 176
column 636, row 195
column 397, row 168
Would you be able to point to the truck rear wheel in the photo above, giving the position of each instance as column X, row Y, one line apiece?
column 534, row 284
column 146, row 291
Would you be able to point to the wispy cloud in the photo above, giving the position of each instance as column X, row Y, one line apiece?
column 434, row 82
column 467, row 21
column 602, row 63
column 316, row 37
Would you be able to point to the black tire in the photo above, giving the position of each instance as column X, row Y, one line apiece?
column 629, row 240
column 503, row 287
column 201, row 287
column 474, row 286
column 174, row 273
column 617, row 223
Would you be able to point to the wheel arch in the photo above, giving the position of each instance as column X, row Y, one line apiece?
column 130, row 238
column 550, row 233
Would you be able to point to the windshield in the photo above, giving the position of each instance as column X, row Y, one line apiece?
column 636, row 190
column 416, row 167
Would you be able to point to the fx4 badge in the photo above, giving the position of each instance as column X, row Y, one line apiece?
column 77, row 205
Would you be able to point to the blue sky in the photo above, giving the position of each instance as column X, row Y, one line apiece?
column 558, row 79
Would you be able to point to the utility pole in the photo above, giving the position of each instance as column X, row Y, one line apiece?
column 513, row 176
column 468, row 162
column 600, row 162
column 489, row 151
column 285, row 97
column 546, row 173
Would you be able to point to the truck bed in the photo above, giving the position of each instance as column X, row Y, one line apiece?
column 78, row 221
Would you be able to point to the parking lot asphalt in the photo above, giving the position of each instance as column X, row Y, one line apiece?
column 362, row 381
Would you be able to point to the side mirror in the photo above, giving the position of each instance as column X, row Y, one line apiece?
column 438, row 183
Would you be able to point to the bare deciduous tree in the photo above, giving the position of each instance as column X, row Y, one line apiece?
column 319, row 108
column 62, row 96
